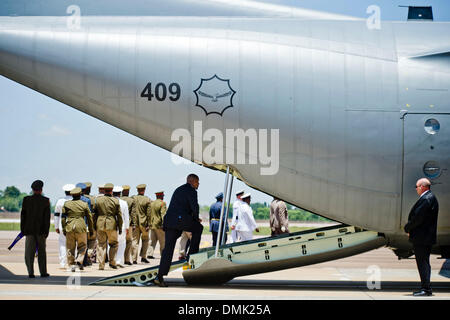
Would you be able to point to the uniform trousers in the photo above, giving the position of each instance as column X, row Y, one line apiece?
column 422, row 254
column 92, row 247
column 277, row 232
column 155, row 236
column 215, row 235
column 185, row 237
column 62, row 249
column 31, row 242
column 107, row 237
column 234, row 236
column 122, row 239
column 244, row 235
column 138, row 233
column 78, row 241
column 128, row 245
column 171, row 236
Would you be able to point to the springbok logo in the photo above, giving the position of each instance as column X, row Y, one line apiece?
column 214, row 95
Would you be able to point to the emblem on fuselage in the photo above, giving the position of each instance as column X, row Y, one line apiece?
column 214, row 95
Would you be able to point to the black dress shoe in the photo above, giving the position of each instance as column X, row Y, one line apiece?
column 134, row 262
column 111, row 266
column 159, row 281
column 128, row 263
column 423, row 293
column 45, row 275
column 150, row 257
column 31, row 276
column 145, row 260
column 80, row 266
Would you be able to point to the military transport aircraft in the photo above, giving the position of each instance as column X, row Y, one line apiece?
column 329, row 114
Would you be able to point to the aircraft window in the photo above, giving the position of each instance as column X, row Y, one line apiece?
column 432, row 169
column 432, row 126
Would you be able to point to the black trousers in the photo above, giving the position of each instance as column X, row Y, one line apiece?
column 171, row 236
column 214, row 238
column 422, row 253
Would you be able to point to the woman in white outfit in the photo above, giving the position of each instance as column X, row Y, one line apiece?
column 246, row 222
column 58, row 226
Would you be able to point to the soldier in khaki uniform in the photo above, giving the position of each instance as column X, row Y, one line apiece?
column 107, row 221
column 140, row 223
column 74, row 228
column 158, row 210
column 129, row 239
column 279, row 223
column 92, row 239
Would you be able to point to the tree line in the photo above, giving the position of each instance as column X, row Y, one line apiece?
column 11, row 200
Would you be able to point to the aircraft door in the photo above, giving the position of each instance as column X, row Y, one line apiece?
column 426, row 153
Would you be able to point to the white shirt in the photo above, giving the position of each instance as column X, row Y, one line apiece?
column 58, row 209
column 125, row 215
column 236, row 207
column 246, row 221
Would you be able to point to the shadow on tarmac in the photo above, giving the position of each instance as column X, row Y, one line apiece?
column 7, row 277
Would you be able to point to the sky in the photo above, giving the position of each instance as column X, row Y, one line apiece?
column 42, row 138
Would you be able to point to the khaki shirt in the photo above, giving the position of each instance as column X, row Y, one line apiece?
column 278, row 216
column 140, row 214
column 129, row 201
column 107, row 214
column 158, row 210
column 73, row 213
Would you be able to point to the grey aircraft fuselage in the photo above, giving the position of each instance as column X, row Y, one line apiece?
column 350, row 102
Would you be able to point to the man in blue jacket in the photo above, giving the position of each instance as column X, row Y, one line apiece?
column 214, row 219
column 422, row 229
column 182, row 215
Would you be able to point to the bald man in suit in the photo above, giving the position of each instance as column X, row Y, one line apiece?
column 422, row 230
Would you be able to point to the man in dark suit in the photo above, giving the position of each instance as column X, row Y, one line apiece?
column 35, row 225
column 182, row 215
column 422, row 229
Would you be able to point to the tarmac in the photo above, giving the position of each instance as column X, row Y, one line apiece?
column 374, row 275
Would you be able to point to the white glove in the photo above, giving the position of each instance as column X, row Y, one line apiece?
column 283, row 229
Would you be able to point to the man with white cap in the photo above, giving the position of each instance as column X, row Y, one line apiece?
column 76, row 220
column 58, row 226
column 117, row 191
column 129, row 237
column 246, row 222
column 236, row 206
column 101, row 190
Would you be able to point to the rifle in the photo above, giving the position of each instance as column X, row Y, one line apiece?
column 19, row 236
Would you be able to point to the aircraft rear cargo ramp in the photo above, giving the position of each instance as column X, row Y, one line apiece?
column 262, row 255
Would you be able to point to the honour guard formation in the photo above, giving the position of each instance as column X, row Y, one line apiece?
column 115, row 229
